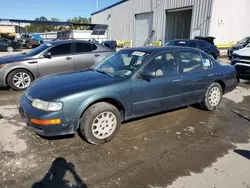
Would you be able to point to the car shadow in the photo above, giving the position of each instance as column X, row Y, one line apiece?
column 62, row 137
column 55, row 176
column 154, row 114
column 4, row 88
column 244, row 153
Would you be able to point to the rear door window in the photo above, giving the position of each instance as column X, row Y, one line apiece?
column 81, row 47
column 191, row 61
column 207, row 64
column 61, row 49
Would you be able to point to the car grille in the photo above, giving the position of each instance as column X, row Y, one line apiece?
column 242, row 57
column 29, row 97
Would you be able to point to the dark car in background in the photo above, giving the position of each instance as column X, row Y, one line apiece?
column 241, row 61
column 239, row 45
column 9, row 45
column 131, row 83
column 30, row 40
column 18, row 71
column 205, row 44
column 112, row 44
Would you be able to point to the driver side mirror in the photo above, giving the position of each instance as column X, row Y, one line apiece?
column 148, row 74
column 47, row 55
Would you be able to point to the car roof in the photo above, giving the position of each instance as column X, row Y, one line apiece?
column 188, row 40
column 151, row 49
column 67, row 41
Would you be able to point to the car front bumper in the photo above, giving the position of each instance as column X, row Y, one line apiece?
column 2, row 78
column 242, row 67
column 27, row 111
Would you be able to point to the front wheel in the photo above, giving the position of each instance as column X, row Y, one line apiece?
column 10, row 49
column 29, row 46
column 100, row 123
column 19, row 79
column 212, row 97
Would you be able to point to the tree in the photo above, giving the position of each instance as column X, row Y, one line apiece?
column 41, row 28
column 79, row 20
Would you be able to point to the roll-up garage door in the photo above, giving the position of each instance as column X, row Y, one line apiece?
column 143, row 28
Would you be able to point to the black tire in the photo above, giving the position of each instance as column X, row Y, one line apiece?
column 29, row 45
column 87, row 120
column 11, row 75
column 206, row 103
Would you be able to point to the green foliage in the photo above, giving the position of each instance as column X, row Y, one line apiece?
column 80, row 20
column 7, row 36
column 40, row 28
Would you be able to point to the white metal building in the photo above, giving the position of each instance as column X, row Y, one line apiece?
column 227, row 20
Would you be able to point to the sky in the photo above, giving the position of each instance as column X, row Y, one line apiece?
column 62, row 9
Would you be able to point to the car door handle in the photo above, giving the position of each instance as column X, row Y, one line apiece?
column 32, row 62
column 97, row 55
column 210, row 75
column 68, row 58
column 177, row 80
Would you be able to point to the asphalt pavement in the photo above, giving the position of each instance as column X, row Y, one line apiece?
column 186, row 147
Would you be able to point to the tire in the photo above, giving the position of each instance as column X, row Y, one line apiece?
column 29, row 46
column 88, row 129
column 10, row 49
column 212, row 102
column 12, row 79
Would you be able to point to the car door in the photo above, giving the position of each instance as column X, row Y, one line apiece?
column 198, row 73
column 204, row 46
column 61, row 60
column 84, row 57
column 160, row 92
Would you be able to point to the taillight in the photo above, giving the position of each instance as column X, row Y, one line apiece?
column 1, row 66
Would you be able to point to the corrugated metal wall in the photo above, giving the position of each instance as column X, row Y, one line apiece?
column 121, row 18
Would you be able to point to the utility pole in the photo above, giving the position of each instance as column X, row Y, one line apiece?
column 97, row 5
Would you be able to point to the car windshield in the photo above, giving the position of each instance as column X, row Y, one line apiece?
column 38, row 50
column 123, row 63
column 176, row 43
column 243, row 41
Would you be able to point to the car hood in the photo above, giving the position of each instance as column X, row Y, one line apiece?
column 60, row 85
column 242, row 52
column 237, row 46
column 14, row 58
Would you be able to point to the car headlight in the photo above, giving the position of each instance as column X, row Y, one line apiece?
column 47, row 106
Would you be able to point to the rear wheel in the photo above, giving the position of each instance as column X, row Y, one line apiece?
column 100, row 123
column 19, row 79
column 212, row 97
column 10, row 49
column 29, row 46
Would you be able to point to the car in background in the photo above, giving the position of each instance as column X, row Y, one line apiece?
column 30, row 40
column 9, row 45
column 205, row 44
column 241, row 61
column 239, row 45
column 112, row 44
column 131, row 83
column 18, row 71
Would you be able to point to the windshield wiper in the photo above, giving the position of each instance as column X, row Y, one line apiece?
column 103, row 72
